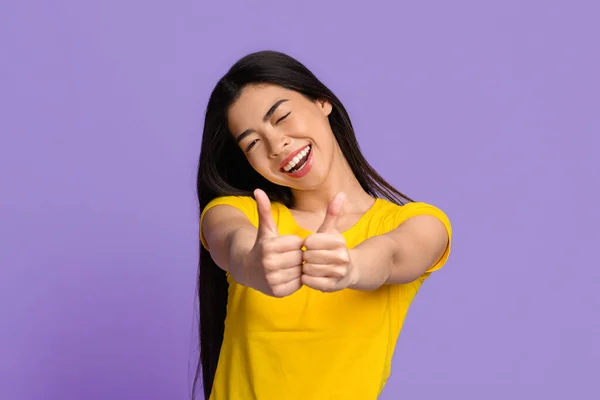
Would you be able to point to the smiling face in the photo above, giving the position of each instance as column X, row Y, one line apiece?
column 285, row 136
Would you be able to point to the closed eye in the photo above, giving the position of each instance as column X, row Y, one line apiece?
column 282, row 118
column 251, row 145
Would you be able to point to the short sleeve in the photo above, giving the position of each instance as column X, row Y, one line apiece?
column 419, row 208
column 247, row 205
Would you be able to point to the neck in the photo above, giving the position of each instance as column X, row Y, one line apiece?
column 339, row 179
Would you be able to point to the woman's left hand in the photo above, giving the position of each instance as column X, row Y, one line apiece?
column 327, row 264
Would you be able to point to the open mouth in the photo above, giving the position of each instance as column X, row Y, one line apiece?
column 298, row 162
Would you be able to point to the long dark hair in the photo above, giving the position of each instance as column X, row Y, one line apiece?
column 224, row 171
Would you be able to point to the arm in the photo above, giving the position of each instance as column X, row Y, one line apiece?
column 256, row 257
column 401, row 255
column 229, row 242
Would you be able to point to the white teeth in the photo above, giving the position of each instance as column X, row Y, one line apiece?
column 296, row 159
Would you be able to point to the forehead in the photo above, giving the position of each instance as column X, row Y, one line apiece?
column 255, row 101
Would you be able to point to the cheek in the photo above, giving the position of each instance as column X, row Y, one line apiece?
column 260, row 164
column 321, row 131
column 324, row 138
column 254, row 162
column 301, row 125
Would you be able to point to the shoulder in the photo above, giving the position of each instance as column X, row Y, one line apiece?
column 233, row 206
column 245, row 204
column 392, row 215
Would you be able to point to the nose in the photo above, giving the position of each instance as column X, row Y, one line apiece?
column 277, row 144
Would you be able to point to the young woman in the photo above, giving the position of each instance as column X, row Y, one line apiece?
column 309, row 259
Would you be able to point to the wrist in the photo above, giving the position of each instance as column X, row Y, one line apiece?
column 240, row 245
column 354, row 278
column 369, row 269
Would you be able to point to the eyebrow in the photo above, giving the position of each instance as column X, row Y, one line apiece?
column 268, row 115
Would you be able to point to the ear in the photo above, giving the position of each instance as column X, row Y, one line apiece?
column 325, row 106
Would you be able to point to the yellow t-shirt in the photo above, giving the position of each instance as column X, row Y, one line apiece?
column 313, row 345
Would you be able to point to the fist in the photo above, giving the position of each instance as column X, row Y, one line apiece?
column 327, row 266
column 274, row 265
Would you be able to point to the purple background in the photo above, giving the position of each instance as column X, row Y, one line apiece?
column 486, row 109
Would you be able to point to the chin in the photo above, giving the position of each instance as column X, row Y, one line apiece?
column 310, row 182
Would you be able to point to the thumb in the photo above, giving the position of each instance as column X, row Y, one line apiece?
column 334, row 210
column 266, row 223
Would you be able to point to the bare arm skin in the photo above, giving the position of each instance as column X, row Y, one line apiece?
column 259, row 258
column 401, row 255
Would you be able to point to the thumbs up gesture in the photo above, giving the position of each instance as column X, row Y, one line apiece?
column 273, row 266
column 327, row 265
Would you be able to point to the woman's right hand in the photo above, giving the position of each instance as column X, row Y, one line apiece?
column 274, row 264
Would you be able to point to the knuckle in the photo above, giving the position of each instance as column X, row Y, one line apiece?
column 341, row 239
column 271, row 279
column 269, row 262
column 340, row 242
column 343, row 257
column 307, row 268
column 268, row 246
column 328, row 286
column 278, row 291
column 306, row 256
column 308, row 242
column 298, row 241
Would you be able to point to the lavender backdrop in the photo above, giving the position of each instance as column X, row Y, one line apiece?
column 486, row 109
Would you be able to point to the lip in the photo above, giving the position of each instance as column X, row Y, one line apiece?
column 305, row 169
column 291, row 156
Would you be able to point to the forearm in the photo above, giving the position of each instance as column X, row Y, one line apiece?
column 240, row 242
column 400, row 256
column 372, row 260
